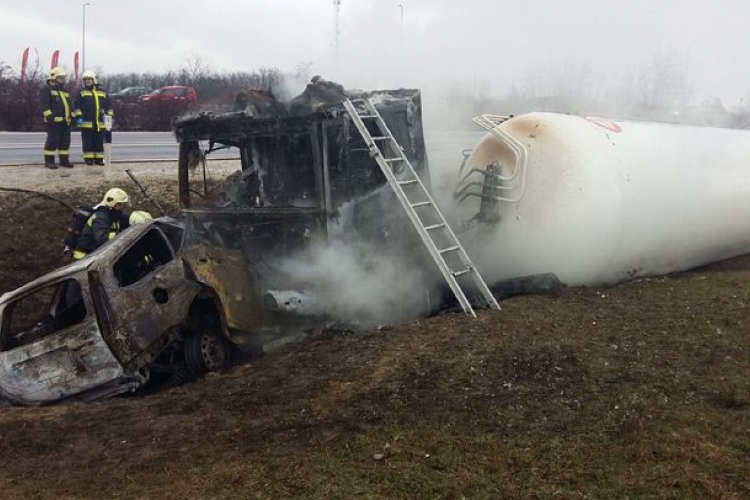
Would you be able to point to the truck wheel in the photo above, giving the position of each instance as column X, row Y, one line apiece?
column 206, row 351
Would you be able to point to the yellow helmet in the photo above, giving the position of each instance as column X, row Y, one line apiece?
column 57, row 72
column 115, row 196
column 139, row 217
column 89, row 74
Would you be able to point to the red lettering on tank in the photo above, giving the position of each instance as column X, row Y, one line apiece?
column 605, row 124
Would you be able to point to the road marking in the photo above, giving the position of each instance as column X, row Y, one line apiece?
column 114, row 144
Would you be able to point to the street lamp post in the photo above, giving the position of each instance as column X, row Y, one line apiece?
column 83, row 41
column 337, row 9
column 401, row 9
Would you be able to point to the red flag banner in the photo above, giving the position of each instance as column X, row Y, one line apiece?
column 24, row 64
column 55, row 58
column 75, row 66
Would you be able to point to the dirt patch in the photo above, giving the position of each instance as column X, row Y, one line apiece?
column 635, row 391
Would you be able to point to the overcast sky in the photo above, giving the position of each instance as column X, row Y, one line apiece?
column 495, row 43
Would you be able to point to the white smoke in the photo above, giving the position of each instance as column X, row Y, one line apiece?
column 361, row 284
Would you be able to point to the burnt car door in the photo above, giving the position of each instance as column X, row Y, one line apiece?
column 146, row 293
column 51, row 347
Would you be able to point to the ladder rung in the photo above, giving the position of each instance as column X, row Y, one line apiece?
column 365, row 109
column 449, row 249
column 461, row 272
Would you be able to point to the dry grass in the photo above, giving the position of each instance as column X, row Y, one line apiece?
column 639, row 391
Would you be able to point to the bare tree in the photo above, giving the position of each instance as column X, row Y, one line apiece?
column 195, row 69
column 664, row 88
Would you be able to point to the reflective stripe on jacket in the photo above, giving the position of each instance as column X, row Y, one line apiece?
column 55, row 103
column 91, row 105
column 101, row 227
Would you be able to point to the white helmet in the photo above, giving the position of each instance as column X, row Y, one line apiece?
column 139, row 217
column 89, row 74
column 115, row 196
column 56, row 72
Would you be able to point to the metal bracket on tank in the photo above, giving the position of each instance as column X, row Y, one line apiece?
column 497, row 182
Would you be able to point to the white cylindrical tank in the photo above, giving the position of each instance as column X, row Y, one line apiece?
column 598, row 201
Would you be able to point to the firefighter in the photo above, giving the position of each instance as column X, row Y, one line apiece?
column 109, row 219
column 92, row 105
column 139, row 217
column 55, row 104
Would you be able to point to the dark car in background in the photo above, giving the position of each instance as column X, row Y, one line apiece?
column 172, row 94
column 129, row 94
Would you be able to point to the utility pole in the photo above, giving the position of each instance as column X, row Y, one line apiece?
column 83, row 41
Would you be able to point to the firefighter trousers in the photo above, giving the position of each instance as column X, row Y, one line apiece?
column 93, row 145
column 58, row 142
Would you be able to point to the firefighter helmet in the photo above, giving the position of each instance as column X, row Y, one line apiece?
column 57, row 72
column 88, row 74
column 115, row 196
column 139, row 217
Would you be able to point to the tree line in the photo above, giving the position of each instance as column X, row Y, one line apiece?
column 19, row 100
column 661, row 91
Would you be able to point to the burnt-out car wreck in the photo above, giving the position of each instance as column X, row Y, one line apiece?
column 174, row 298
column 110, row 322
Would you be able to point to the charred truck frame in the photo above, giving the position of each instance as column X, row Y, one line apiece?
column 305, row 175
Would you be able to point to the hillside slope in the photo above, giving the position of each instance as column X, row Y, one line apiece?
column 636, row 391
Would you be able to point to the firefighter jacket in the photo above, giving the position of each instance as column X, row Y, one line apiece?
column 55, row 103
column 91, row 105
column 102, row 226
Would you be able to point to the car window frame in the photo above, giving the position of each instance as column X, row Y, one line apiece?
column 121, row 255
column 7, row 310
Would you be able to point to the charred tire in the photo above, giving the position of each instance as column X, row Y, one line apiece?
column 180, row 374
column 207, row 351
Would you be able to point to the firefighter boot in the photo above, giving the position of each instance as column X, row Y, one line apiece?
column 99, row 161
column 49, row 162
column 65, row 161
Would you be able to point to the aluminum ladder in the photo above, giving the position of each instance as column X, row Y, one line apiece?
column 437, row 236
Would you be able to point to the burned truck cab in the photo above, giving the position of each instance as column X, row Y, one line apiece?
column 304, row 176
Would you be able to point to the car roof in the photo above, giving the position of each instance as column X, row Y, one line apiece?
column 134, row 87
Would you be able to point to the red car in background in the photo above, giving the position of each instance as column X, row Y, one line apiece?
column 172, row 94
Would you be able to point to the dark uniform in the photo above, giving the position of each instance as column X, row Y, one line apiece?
column 91, row 105
column 55, row 104
column 101, row 227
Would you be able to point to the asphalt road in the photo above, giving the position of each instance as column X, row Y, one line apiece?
column 25, row 148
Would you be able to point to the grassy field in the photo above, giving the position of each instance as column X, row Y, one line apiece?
column 637, row 391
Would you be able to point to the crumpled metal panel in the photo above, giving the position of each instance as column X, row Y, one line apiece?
column 68, row 363
column 226, row 272
column 146, row 310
